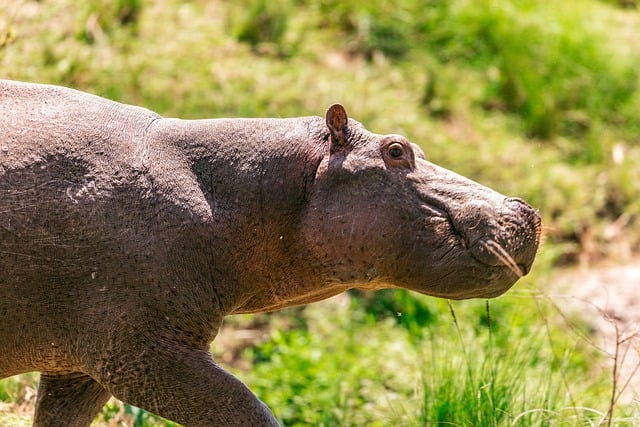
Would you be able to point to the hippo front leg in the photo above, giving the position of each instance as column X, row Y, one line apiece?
column 71, row 400
column 185, row 385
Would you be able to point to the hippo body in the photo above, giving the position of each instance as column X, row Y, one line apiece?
column 125, row 238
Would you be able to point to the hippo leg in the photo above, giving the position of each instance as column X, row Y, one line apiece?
column 185, row 385
column 68, row 400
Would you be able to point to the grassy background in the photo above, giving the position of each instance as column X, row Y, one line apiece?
column 535, row 99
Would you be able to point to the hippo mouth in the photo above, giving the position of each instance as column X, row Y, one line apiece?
column 509, row 239
column 493, row 254
column 499, row 245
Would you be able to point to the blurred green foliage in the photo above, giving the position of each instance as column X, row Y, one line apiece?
column 264, row 24
column 102, row 17
column 536, row 99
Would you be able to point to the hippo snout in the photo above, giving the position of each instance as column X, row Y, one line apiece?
column 506, row 234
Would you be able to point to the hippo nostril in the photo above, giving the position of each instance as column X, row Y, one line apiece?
column 504, row 234
column 516, row 199
column 522, row 209
column 519, row 205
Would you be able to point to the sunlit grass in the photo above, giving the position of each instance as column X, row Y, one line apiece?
column 536, row 99
column 524, row 365
column 394, row 358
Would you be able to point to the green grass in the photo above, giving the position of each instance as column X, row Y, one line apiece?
column 535, row 99
column 353, row 364
column 554, row 65
column 395, row 358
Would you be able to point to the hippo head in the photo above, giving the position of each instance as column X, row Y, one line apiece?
column 382, row 216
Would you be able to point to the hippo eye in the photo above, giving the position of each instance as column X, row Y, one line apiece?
column 396, row 151
column 397, row 154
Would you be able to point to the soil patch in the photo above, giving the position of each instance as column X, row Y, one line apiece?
column 608, row 297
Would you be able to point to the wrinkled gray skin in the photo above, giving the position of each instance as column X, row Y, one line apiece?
column 125, row 238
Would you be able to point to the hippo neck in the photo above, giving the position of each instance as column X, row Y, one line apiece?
column 272, row 162
column 255, row 175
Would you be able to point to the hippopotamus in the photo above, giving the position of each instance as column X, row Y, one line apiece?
column 126, row 237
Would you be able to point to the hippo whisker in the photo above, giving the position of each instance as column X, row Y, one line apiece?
column 503, row 256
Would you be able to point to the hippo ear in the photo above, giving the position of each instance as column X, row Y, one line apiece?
column 337, row 123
